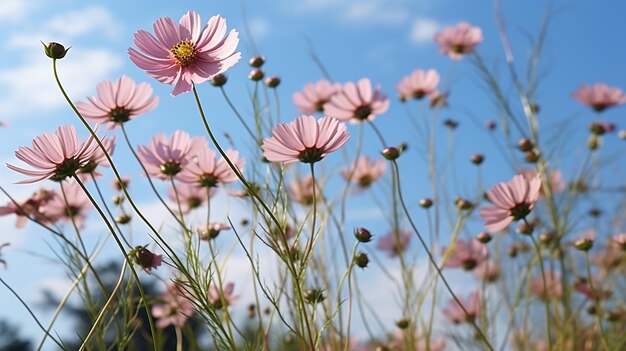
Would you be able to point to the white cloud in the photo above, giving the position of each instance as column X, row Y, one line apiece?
column 423, row 30
column 374, row 12
column 15, row 10
column 85, row 21
column 29, row 87
column 370, row 12
column 67, row 27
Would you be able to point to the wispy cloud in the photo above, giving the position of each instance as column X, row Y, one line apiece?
column 16, row 10
column 26, row 91
column 67, row 27
column 370, row 12
column 375, row 12
column 423, row 30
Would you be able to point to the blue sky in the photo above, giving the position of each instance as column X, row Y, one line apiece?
column 382, row 40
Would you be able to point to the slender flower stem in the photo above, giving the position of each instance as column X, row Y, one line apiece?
column 395, row 174
column 179, row 339
column 239, row 117
column 67, row 295
column 289, row 258
column 106, row 208
column 104, row 308
column 130, row 263
column 596, row 301
column 545, row 289
column 378, row 133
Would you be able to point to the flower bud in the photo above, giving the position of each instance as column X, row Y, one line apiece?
column 55, row 51
column 391, row 153
column 117, row 200
column 477, row 159
column 531, row 157
column 124, row 218
column 219, row 80
column 403, row 147
column 251, row 311
column 534, row 108
column 363, row 235
column 463, row 204
column 484, row 237
column 314, row 296
column 546, row 237
column 257, row 61
column 402, row 323
column 272, row 82
column 622, row 134
column 597, row 128
column 450, row 123
column 256, row 75
column 525, row 145
column 593, row 143
column 584, row 243
column 595, row 212
column 426, row 202
column 361, row 260
column 491, row 125
column 525, row 228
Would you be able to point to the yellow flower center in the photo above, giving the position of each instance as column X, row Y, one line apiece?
column 184, row 53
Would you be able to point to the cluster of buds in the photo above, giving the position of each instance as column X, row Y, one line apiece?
column 257, row 74
column 531, row 153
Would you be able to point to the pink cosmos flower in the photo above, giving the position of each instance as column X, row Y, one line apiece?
column 185, row 53
column 466, row 254
column 175, row 308
column 29, row 208
column 473, row 306
column 206, row 170
column 211, row 230
column 166, row 158
column 611, row 257
column 69, row 204
column 458, row 41
column 301, row 190
column 118, row 102
column 365, row 172
column 488, row 270
column 313, row 97
column 395, row 243
column 190, row 196
column 620, row 240
column 554, row 288
column 217, row 297
column 306, row 140
column 55, row 156
column 419, row 84
column 98, row 159
column 357, row 102
column 582, row 286
column 599, row 96
column 513, row 201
